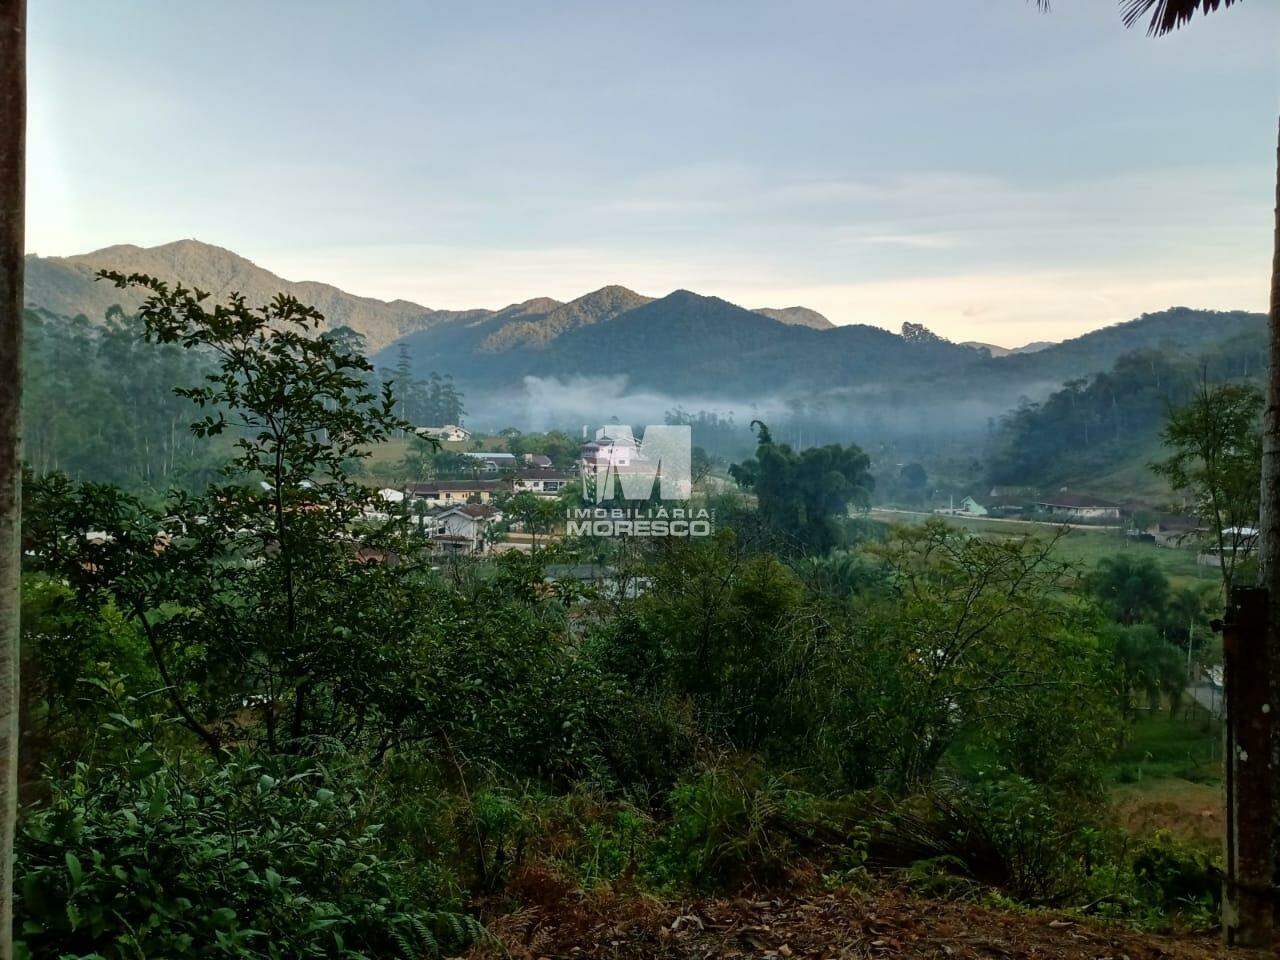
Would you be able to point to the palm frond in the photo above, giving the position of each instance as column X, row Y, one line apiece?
column 1167, row 15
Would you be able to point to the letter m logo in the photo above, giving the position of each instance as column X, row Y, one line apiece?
column 663, row 456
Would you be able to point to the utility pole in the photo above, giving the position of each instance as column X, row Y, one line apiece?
column 1247, row 889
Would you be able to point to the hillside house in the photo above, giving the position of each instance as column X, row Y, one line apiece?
column 613, row 446
column 546, row 483
column 1077, row 507
column 1170, row 531
column 496, row 462
column 968, row 507
column 449, row 433
column 464, row 529
column 449, row 492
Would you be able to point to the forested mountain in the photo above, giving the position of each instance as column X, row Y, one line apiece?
column 1093, row 425
column 689, row 343
column 684, row 346
column 998, row 351
column 535, row 330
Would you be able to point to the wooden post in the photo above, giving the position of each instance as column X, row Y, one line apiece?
column 1247, row 895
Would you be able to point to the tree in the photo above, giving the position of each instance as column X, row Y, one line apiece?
column 13, row 117
column 802, row 494
column 264, row 592
column 1217, row 461
column 536, row 514
column 1130, row 590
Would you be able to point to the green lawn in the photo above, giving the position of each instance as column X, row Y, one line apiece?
column 1186, row 747
column 1084, row 546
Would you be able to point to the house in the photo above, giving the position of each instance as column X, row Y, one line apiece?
column 1169, row 530
column 387, row 495
column 449, row 433
column 539, row 461
column 448, row 492
column 547, row 483
column 613, row 446
column 1074, row 506
column 968, row 507
column 1006, row 505
column 464, row 529
column 493, row 462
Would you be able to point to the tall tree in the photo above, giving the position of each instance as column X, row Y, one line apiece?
column 13, row 120
column 1215, row 459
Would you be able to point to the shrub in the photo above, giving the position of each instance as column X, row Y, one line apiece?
column 734, row 826
column 1006, row 833
column 1178, row 879
column 161, row 857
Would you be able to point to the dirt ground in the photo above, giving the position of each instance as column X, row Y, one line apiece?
column 1192, row 811
column 823, row 926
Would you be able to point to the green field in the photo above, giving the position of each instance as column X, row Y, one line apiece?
column 1081, row 546
column 1186, row 747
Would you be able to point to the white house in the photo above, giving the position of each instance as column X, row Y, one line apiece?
column 450, row 432
column 464, row 529
column 613, row 446
column 547, row 483
column 968, row 507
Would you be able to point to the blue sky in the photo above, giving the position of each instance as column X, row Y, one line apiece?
column 996, row 173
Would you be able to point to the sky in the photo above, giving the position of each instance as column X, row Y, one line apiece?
column 994, row 172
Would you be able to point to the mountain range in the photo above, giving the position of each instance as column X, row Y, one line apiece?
column 683, row 344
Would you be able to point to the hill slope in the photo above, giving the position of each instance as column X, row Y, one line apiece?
column 66, row 286
column 799, row 316
column 684, row 342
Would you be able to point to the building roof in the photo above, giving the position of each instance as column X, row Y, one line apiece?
column 1075, row 501
column 476, row 511
column 537, row 459
column 544, row 475
column 452, row 486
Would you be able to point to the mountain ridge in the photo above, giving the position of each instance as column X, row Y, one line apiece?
column 685, row 341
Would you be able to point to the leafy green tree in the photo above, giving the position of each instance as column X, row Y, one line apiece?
column 1148, row 666
column 1131, row 589
column 536, row 514
column 1216, row 460
column 254, row 595
column 975, row 642
column 914, row 479
column 802, row 494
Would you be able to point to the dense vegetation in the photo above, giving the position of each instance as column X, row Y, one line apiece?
column 1094, row 423
column 308, row 741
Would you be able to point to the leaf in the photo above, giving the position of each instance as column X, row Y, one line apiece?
column 74, row 868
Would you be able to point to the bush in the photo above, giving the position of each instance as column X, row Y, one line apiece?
column 733, row 826
column 1006, row 833
column 1178, row 879
column 160, row 857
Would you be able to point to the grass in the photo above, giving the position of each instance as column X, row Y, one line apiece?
column 1168, row 776
column 1085, row 546
column 1187, row 747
